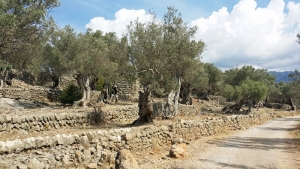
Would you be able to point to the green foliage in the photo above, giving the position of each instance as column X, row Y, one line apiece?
column 24, row 27
column 160, row 54
column 4, row 66
column 248, row 83
column 70, row 94
column 215, row 76
column 231, row 92
column 99, row 84
column 253, row 90
column 89, row 53
column 295, row 76
column 197, row 78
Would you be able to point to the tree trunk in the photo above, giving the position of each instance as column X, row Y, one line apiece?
column 250, row 105
column 93, row 83
column 55, row 81
column 145, row 108
column 234, row 109
column 84, row 83
column 105, row 93
column 171, row 107
column 207, row 96
column 293, row 106
column 185, row 94
column 7, row 76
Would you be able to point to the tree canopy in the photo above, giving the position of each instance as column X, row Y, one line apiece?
column 23, row 26
column 247, row 83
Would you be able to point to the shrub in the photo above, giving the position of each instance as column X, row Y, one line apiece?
column 70, row 94
column 99, row 84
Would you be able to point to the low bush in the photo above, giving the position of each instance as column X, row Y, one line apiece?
column 70, row 94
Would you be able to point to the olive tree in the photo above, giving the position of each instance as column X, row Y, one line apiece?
column 248, row 84
column 160, row 55
column 144, row 61
column 24, row 25
column 24, row 28
column 181, row 52
column 85, row 55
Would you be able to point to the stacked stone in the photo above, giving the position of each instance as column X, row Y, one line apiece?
column 123, row 115
column 44, row 122
column 187, row 110
column 124, row 87
column 31, row 94
column 99, row 148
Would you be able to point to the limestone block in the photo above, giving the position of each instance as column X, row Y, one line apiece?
column 3, row 147
column 29, row 143
column 68, row 139
column 40, row 142
column 125, row 160
column 14, row 145
column 84, row 141
column 59, row 139
column 2, row 120
column 33, row 163
column 178, row 151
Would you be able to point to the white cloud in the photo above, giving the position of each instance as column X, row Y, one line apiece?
column 122, row 19
column 247, row 35
column 264, row 37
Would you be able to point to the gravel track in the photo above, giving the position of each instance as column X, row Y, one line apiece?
column 268, row 146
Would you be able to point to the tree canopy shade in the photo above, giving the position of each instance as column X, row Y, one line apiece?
column 23, row 24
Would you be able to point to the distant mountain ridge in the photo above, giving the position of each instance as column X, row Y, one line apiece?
column 281, row 76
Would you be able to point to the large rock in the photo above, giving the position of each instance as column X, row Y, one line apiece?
column 178, row 151
column 125, row 160
column 33, row 163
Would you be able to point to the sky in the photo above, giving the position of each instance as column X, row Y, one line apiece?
column 261, row 33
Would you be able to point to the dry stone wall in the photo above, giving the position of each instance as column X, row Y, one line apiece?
column 38, row 94
column 44, row 119
column 99, row 148
column 31, row 94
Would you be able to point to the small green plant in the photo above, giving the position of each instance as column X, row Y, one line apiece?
column 70, row 94
column 99, row 84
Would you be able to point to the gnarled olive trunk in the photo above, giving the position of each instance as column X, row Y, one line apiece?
column 55, row 81
column 292, row 104
column 84, row 82
column 171, row 107
column 185, row 94
column 105, row 93
column 145, row 108
column 7, row 76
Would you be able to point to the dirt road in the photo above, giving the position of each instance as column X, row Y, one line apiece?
column 268, row 146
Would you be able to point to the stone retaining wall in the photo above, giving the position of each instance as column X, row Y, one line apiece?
column 46, row 119
column 99, row 148
column 38, row 94
column 31, row 94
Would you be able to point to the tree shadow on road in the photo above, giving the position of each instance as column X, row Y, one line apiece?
column 223, row 165
column 279, row 128
column 288, row 119
column 284, row 144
